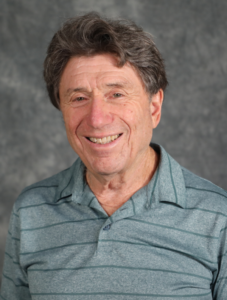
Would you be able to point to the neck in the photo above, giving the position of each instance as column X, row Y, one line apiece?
column 112, row 191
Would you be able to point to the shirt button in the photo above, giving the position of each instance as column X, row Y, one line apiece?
column 107, row 227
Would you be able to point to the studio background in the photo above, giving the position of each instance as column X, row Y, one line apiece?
column 192, row 37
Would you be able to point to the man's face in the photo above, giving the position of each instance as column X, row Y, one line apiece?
column 107, row 113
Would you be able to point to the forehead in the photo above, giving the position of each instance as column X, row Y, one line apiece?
column 98, row 70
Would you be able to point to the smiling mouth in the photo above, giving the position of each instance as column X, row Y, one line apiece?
column 105, row 140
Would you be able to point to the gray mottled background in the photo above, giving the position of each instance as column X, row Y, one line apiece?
column 191, row 35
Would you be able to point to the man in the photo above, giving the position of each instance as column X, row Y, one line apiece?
column 126, row 221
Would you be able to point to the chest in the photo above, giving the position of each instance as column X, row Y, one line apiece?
column 149, row 255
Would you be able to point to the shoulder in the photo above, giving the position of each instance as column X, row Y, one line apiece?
column 195, row 182
column 204, row 193
column 47, row 190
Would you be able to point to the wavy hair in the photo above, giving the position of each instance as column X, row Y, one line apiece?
column 89, row 35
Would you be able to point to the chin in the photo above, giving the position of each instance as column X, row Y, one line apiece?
column 105, row 169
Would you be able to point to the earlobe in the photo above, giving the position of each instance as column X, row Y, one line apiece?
column 156, row 107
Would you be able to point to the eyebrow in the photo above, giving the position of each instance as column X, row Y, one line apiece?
column 118, row 84
column 78, row 89
column 82, row 89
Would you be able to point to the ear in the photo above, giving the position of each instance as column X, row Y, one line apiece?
column 156, row 107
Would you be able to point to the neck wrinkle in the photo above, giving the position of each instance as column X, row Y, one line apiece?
column 111, row 198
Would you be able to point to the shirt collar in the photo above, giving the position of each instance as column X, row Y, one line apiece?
column 171, row 184
column 167, row 184
column 71, row 182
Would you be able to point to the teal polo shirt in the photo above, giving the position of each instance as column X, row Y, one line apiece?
column 168, row 241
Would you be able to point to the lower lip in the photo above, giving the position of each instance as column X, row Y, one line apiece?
column 103, row 146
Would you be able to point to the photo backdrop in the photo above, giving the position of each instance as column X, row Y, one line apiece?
column 192, row 38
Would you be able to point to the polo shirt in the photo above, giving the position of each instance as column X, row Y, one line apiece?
column 168, row 241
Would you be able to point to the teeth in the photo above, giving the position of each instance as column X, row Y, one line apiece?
column 105, row 140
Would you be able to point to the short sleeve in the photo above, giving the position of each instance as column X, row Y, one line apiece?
column 220, row 276
column 14, row 278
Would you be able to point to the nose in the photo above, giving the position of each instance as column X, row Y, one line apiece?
column 99, row 113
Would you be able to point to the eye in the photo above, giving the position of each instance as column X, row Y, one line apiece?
column 79, row 99
column 117, row 95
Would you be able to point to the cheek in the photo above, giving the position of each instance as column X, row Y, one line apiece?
column 134, row 117
column 69, row 124
column 127, row 117
column 129, row 112
column 70, row 120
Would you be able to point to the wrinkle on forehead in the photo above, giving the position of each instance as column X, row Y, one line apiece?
column 97, row 72
column 83, row 60
column 123, row 84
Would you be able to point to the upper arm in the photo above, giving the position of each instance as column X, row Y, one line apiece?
column 219, row 288
column 14, row 278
